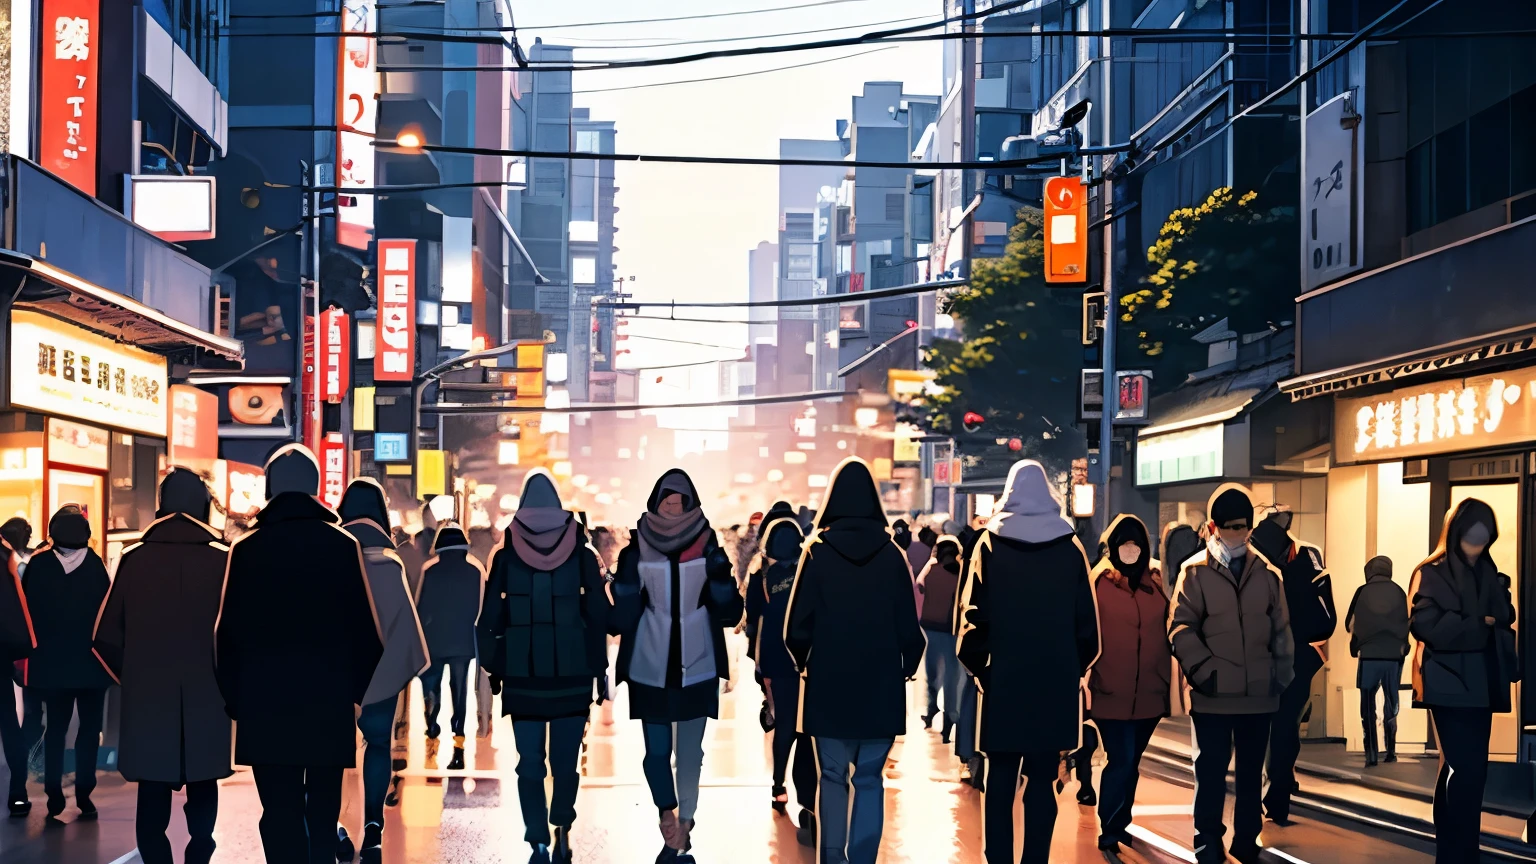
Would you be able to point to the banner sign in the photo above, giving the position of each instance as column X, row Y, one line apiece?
column 193, row 439
column 67, row 100
column 394, row 356
column 247, row 489
column 335, row 355
column 333, row 469
column 356, row 117
column 61, row 369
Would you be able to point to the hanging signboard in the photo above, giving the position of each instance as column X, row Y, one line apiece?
column 57, row 368
column 1332, row 227
column 394, row 355
column 247, row 489
column 356, row 120
column 1462, row 414
column 67, row 97
column 333, row 469
column 1066, row 230
column 193, row 439
column 335, row 355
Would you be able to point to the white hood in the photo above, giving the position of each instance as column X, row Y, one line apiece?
column 1029, row 511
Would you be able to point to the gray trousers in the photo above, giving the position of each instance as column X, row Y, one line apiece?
column 685, row 740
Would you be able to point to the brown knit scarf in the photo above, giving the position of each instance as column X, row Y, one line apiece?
column 669, row 534
column 543, row 537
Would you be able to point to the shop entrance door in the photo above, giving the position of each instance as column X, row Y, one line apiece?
column 1504, row 498
column 87, row 490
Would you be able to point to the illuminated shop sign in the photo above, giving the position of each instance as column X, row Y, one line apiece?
column 67, row 100
column 60, row 369
column 1464, row 414
column 394, row 357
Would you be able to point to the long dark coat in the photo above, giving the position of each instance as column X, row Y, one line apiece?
column 298, row 640
column 851, row 625
column 452, row 583
column 545, row 633
column 64, row 608
column 155, row 635
column 16, row 637
column 1029, row 635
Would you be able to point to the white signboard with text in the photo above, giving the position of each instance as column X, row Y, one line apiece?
column 1330, row 224
column 64, row 370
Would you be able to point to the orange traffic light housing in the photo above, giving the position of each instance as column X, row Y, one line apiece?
column 1066, row 231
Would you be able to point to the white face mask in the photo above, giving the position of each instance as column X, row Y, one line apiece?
column 1224, row 552
column 1130, row 553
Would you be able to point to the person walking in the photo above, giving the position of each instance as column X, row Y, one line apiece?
column 937, row 583
column 1231, row 632
column 17, row 641
column 1128, row 688
column 1377, row 622
column 297, row 645
column 17, row 534
column 542, row 637
column 155, row 635
column 452, row 583
column 1466, row 660
column 1029, row 633
column 65, row 584
column 767, row 602
column 852, row 630
column 674, row 596
column 365, row 515
column 1309, row 599
column 920, row 550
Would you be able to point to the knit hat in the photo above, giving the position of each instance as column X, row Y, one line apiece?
column 292, row 469
column 69, row 529
column 1230, row 506
column 182, row 491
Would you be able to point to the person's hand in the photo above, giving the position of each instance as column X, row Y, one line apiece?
column 1489, row 620
column 740, row 627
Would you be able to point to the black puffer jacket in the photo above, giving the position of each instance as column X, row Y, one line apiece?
column 449, row 599
column 1308, row 589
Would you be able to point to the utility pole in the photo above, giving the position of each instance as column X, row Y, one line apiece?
column 1109, row 387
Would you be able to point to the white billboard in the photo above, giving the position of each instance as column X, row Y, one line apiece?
column 357, row 112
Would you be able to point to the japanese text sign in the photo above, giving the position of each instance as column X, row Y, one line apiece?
column 333, row 469
column 394, row 357
column 335, row 355
column 1462, row 414
column 67, row 102
column 1066, row 230
column 61, row 369
column 193, row 440
column 356, row 118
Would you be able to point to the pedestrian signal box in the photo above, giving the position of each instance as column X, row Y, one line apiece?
column 1066, row 231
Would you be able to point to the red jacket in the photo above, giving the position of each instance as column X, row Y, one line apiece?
column 1130, row 681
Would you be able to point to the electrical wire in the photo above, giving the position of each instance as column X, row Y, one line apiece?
column 821, row 300
column 679, row 42
column 765, row 11
column 774, row 321
column 712, row 78
column 607, row 407
column 682, row 342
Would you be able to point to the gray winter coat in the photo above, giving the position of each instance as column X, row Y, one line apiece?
column 1377, row 620
column 1232, row 635
column 405, row 648
column 155, row 634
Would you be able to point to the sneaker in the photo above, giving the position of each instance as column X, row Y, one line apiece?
column 806, row 833
column 19, row 806
column 373, row 835
column 457, row 762
column 344, row 848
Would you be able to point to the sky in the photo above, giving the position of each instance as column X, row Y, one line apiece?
column 685, row 230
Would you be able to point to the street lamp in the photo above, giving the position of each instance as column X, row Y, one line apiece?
column 409, row 138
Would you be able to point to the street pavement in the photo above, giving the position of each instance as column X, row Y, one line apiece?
column 472, row 816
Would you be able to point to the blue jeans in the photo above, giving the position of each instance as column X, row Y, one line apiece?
column 563, row 753
column 1383, row 675
column 377, row 723
column 851, row 838
column 1124, row 742
column 965, row 729
column 683, row 740
column 942, row 669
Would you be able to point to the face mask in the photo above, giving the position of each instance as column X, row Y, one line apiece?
column 1130, row 553
column 1223, row 552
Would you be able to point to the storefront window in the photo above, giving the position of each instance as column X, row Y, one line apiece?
column 135, row 479
column 21, row 479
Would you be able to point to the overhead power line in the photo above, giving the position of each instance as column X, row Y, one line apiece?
column 605, row 407
column 674, row 42
column 682, row 342
column 710, row 78
column 821, row 300
column 764, row 11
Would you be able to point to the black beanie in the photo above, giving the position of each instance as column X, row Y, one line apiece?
column 1230, row 506
column 183, row 491
column 69, row 529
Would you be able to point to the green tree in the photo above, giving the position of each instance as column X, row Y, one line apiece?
column 1019, row 362
column 1228, row 257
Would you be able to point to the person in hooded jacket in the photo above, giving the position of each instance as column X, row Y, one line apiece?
column 1128, row 687
column 937, row 584
column 155, row 635
column 65, row 584
column 1231, row 632
column 1377, row 622
column 852, row 629
column 1309, row 599
column 452, row 583
column 1029, row 634
column 674, row 596
column 1464, row 621
column 1180, row 543
column 365, row 515
column 972, row 771
column 297, row 644
column 543, row 639
column 16, row 642
column 767, row 602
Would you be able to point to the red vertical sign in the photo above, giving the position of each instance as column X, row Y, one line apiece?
column 394, row 355
column 333, row 469
column 1066, row 230
column 67, row 103
column 335, row 355
column 311, row 427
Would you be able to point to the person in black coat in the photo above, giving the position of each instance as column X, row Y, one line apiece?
column 452, row 582
column 65, row 584
column 155, row 635
column 1309, row 596
column 1029, row 633
column 1377, row 622
column 1464, row 621
column 852, row 629
column 297, row 645
column 16, row 643
column 673, row 598
column 543, row 639
column 767, row 603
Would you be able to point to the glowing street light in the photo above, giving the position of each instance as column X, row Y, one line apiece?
column 409, row 138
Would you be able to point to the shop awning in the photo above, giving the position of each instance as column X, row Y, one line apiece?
column 1212, row 401
column 47, row 288
column 1469, row 352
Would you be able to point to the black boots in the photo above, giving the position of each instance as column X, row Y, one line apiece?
column 1371, row 752
column 561, row 852
column 457, row 762
column 949, row 728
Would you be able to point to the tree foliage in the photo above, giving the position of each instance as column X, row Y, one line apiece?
column 1019, row 362
column 1227, row 257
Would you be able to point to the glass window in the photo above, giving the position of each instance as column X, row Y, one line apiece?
column 588, row 141
column 1421, row 190
column 1490, row 135
column 1451, row 173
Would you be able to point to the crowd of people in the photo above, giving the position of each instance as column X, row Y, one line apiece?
column 250, row 654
